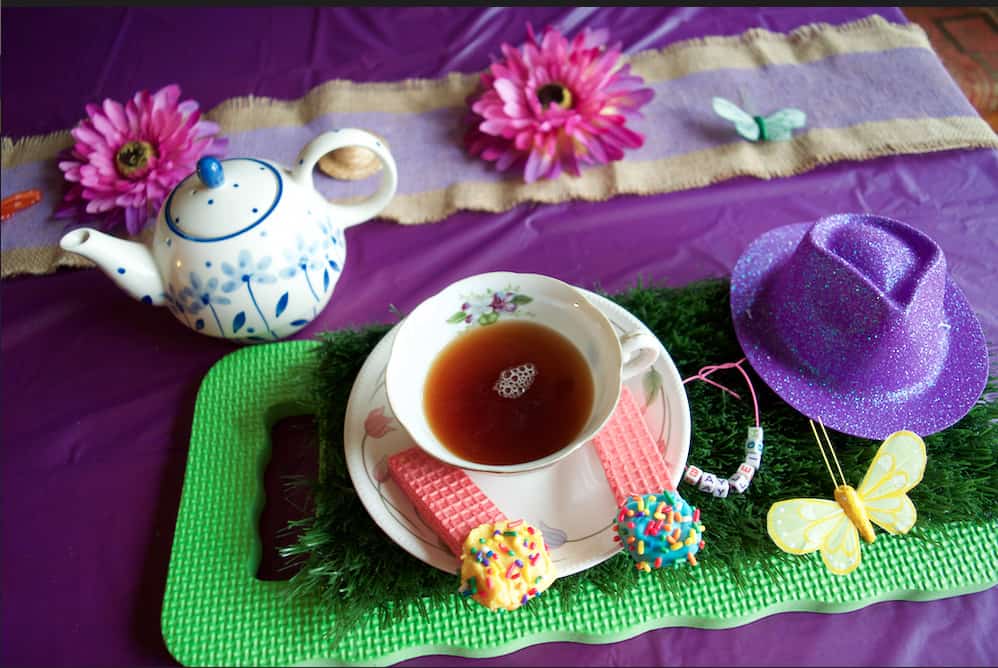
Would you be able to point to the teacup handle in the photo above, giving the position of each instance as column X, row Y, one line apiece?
column 640, row 350
column 349, row 214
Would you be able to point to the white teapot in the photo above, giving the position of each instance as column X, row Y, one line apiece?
column 243, row 249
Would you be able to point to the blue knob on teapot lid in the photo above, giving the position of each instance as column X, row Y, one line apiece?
column 210, row 172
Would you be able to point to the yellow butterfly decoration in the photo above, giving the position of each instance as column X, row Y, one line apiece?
column 801, row 526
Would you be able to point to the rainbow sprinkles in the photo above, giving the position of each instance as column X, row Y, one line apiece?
column 505, row 565
column 659, row 530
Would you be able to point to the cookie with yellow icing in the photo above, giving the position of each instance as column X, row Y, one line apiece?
column 505, row 564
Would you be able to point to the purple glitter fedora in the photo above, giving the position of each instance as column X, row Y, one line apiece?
column 853, row 319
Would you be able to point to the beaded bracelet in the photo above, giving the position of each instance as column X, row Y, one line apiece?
column 739, row 481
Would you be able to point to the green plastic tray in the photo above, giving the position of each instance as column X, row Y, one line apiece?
column 216, row 612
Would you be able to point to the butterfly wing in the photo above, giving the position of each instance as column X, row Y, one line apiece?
column 840, row 550
column 897, row 467
column 780, row 126
column 799, row 526
column 744, row 123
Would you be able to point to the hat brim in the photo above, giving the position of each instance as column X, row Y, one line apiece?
column 876, row 414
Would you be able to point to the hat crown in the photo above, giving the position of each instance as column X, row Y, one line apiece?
column 866, row 296
column 854, row 319
column 897, row 261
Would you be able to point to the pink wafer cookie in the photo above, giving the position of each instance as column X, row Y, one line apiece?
column 631, row 458
column 444, row 496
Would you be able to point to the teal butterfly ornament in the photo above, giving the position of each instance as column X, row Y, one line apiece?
column 778, row 126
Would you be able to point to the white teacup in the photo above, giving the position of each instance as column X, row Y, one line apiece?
column 472, row 302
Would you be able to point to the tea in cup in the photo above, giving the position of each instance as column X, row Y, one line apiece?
column 506, row 372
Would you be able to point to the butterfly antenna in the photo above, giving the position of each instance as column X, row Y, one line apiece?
column 832, row 450
column 822, row 449
column 742, row 101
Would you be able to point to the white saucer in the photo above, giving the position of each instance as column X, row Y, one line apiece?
column 569, row 501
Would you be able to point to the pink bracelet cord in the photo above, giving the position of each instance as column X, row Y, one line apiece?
column 711, row 368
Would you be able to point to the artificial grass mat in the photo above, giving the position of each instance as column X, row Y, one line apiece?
column 694, row 324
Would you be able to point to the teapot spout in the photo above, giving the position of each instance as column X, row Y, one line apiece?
column 128, row 263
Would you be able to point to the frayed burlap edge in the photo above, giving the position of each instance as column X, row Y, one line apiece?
column 40, row 260
column 754, row 48
column 767, row 160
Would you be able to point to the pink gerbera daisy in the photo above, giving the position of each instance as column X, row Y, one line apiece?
column 556, row 104
column 127, row 158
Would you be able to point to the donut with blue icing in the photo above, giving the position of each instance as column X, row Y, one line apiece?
column 659, row 530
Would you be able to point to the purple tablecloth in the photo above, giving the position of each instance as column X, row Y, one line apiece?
column 98, row 390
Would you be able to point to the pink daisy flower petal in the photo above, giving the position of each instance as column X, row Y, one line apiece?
column 128, row 157
column 554, row 104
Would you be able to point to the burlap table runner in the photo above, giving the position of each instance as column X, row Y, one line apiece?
column 870, row 88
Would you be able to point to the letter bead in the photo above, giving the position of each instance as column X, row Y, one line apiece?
column 708, row 483
column 693, row 474
column 738, row 483
column 753, row 444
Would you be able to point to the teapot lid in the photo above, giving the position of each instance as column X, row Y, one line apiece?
column 223, row 198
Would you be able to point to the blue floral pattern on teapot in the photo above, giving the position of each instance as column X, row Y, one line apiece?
column 243, row 249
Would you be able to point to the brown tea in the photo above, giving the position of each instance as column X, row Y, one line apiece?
column 508, row 393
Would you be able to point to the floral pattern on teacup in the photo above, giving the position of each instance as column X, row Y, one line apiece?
column 486, row 308
column 377, row 423
column 553, row 536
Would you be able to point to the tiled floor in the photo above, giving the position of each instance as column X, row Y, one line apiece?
column 966, row 39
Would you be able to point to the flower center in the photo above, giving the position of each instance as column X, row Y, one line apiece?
column 554, row 93
column 133, row 157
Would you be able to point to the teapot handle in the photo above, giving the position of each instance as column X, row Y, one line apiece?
column 349, row 214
